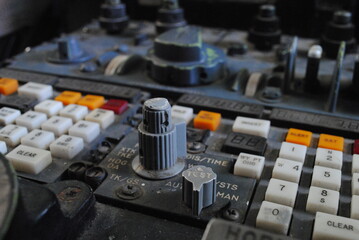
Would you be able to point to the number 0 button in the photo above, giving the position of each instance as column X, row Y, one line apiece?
column 274, row 217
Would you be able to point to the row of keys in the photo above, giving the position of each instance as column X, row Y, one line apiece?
column 32, row 159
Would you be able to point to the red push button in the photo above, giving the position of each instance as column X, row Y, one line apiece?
column 118, row 106
column 356, row 147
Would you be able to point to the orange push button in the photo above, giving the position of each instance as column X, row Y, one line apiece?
column 8, row 86
column 92, row 101
column 331, row 142
column 299, row 137
column 207, row 120
column 68, row 97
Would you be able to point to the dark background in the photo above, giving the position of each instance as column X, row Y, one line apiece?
column 29, row 22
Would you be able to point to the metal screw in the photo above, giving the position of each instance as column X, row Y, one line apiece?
column 231, row 214
column 129, row 192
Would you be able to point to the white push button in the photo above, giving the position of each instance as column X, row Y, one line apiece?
column 281, row 192
column 86, row 130
column 11, row 134
column 327, row 178
column 182, row 113
column 49, row 107
column 355, row 163
column 322, row 200
column 38, row 139
column 251, row 126
column 355, row 184
column 354, row 212
column 331, row 227
column 29, row 159
column 287, row 170
column 329, row 158
column 3, row 148
column 103, row 117
column 31, row 120
column 8, row 115
column 248, row 165
column 36, row 90
column 66, row 146
column 75, row 112
column 274, row 217
column 57, row 125
column 293, row 151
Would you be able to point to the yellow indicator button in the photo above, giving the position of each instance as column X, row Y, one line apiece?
column 8, row 86
column 207, row 120
column 299, row 137
column 331, row 142
column 92, row 101
column 68, row 97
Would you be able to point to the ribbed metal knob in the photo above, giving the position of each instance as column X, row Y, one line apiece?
column 199, row 188
column 161, row 142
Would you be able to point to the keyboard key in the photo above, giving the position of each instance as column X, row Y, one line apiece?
column 281, row 192
column 3, row 148
column 66, row 147
column 103, row 117
column 29, row 160
column 68, row 97
column 8, row 86
column 58, row 125
column 248, row 165
column 355, row 184
column 332, row 227
column 355, row 164
column 331, row 142
column 293, row 151
column 322, row 200
column 329, row 158
column 31, row 120
column 182, row 113
column 86, row 130
column 356, row 146
column 228, row 108
column 8, row 115
column 116, row 105
column 91, row 101
column 354, row 210
column 21, row 103
column 49, row 107
column 287, row 170
column 207, row 120
column 239, row 142
column 11, row 134
column 252, row 126
column 74, row 111
column 36, row 90
column 38, row 139
column 327, row 178
column 274, row 217
column 298, row 136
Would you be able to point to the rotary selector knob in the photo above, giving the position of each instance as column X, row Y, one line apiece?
column 162, row 143
column 199, row 188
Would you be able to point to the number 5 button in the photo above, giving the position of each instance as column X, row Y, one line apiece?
column 326, row 178
column 282, row 192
